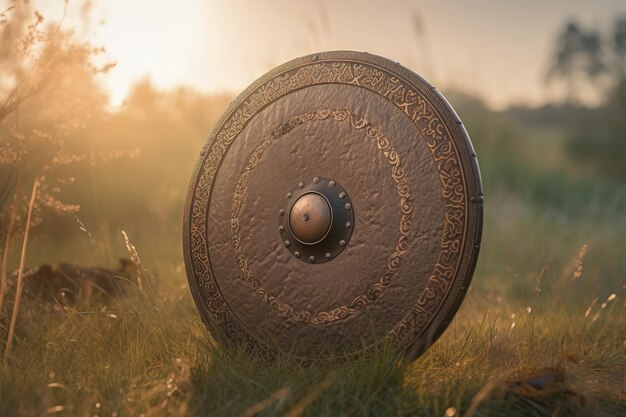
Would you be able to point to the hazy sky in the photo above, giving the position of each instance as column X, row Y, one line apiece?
column 497, row 49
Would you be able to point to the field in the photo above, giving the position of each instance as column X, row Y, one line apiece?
column 541, row 332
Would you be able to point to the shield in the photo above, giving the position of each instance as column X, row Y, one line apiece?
column 336, row 205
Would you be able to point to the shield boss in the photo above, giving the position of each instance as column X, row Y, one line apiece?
column 336, row 205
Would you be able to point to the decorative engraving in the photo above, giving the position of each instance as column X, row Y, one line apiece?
column 393, row 262
column 412, row 101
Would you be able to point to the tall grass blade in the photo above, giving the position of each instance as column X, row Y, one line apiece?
column 20, row 284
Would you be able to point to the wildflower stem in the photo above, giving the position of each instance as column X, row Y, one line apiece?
column 18, row 291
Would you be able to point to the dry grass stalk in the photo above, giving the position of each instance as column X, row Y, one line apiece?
column 481, row 395
column 18, row 291
column 5, row 256
column 578, row 269
column 134, row 257
column 302, row 404
column 263, row 404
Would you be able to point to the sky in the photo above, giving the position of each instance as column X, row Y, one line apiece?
column 498, row 50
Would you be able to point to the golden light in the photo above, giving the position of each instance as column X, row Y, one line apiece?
column 223, row 46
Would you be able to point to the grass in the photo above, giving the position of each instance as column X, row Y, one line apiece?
column 149, row 354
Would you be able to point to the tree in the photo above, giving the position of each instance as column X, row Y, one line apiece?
column 619, row 46
column 578, row 57
column 584, row 56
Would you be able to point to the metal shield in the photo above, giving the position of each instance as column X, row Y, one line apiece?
column 336, row 204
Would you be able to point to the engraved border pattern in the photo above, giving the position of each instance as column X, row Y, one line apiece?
column 393, row 262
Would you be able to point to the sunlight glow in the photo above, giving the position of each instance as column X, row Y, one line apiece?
column 215, row 46
column 151, row 39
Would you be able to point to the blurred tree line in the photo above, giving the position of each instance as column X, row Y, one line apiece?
column 596, row 58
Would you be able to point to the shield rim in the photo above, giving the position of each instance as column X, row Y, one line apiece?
column 456, row 293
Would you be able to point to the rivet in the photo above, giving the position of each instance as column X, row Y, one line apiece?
column 342, row 243
column 331, row 184
column 288, row 195
column 281, row 212
column 287, row 243
column 328, row 255
column 281, row 229
column 316, row 180
column 342, row 195
column 348, row 225
column 315, row 57
column 348, row 206
column 311, row 259
column 473, row 199
column 296, row 254
column 301, row 185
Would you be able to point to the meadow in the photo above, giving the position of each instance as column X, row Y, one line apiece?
column 540, row 333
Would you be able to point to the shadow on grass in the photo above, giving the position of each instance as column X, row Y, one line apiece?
column 234, row 383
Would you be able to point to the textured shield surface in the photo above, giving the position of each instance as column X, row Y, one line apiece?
column 335, row 205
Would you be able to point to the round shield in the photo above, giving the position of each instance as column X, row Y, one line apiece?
column 336, row 205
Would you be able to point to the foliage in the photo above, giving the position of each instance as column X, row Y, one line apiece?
column 169, row 128
column 578, row 55
column 49, row 90
column 597, row 139
column 582, row 54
